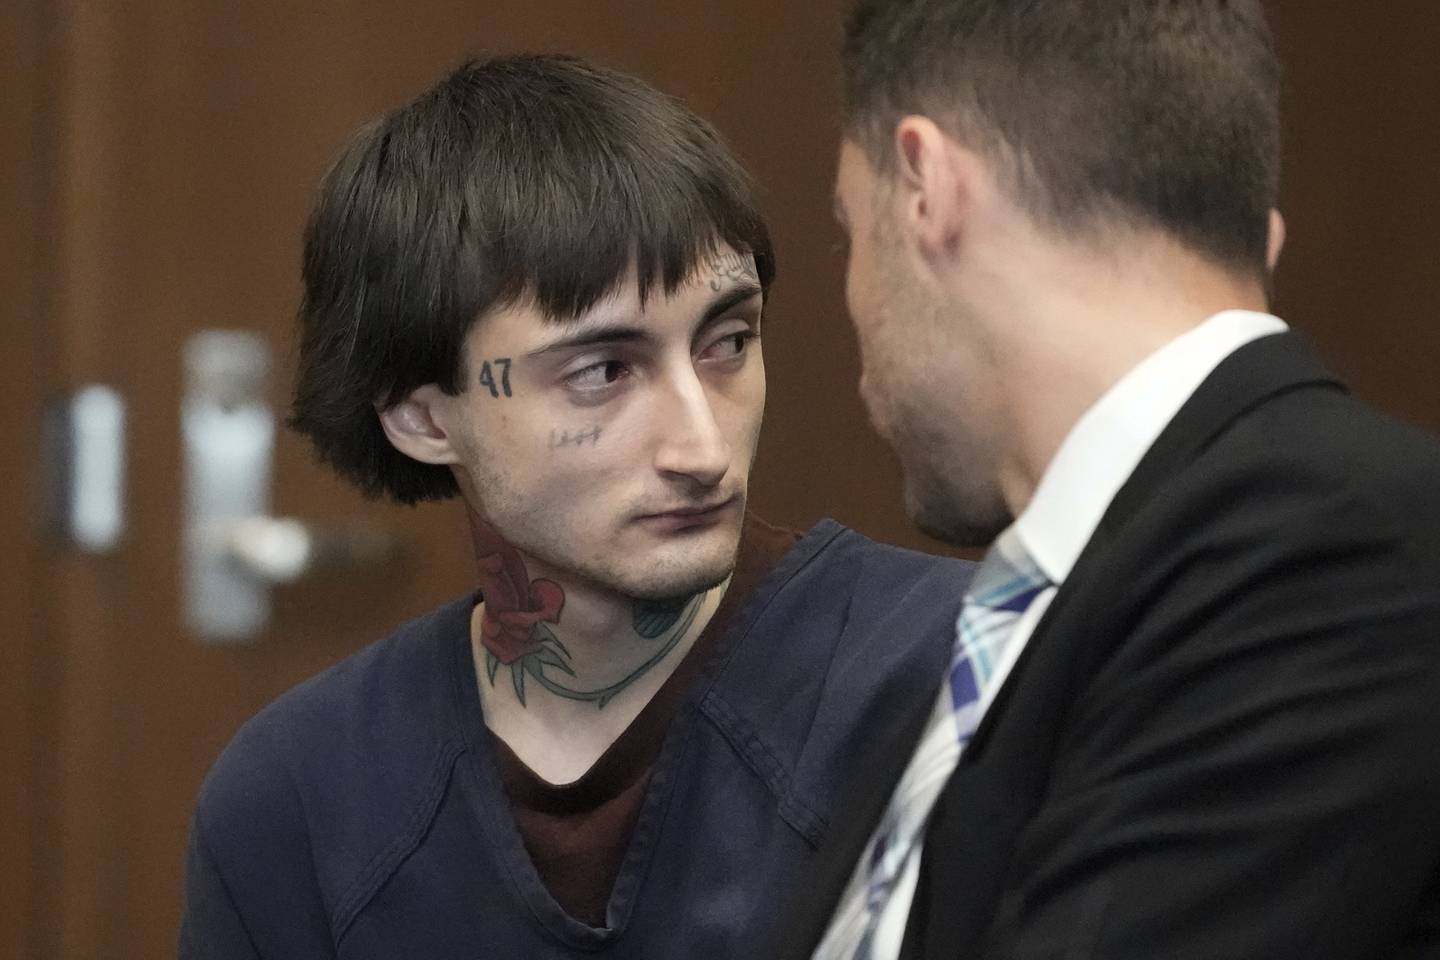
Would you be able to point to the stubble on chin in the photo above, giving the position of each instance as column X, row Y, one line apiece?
column 951, row 493
column 678, row 572
column 954, row 521
column 628, row 563
column 661, row 589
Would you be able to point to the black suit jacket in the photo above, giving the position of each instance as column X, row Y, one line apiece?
column 1223, row 738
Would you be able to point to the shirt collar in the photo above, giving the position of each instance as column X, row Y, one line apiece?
column 1104, row 446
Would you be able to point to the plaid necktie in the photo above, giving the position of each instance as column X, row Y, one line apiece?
column 1003, row 588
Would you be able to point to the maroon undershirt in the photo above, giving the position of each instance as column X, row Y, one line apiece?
column 576, row 834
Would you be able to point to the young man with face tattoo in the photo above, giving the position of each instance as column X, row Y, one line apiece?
column 540, row 286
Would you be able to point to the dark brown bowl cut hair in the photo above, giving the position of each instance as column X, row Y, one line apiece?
column 1153, row 112
column 532, row 178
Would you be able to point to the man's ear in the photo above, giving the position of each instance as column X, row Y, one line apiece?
column 419, row 426
column 1275, row 240
column 936, row 184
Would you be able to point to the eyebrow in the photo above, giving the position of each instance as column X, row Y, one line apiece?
column 614, row 332
column 728, row 300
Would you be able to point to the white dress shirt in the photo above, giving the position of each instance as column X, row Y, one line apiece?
column 1093, row 462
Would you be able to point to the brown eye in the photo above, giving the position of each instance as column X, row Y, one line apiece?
column 731, row 345
column 598, row 376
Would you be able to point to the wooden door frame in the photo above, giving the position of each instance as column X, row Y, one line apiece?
column 57, row 628
column 28, row 666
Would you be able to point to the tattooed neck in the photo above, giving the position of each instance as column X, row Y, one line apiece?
column 518, row 609
column 522, row 619
column 548, row 665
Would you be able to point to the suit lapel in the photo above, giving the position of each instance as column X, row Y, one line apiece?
column 989, row 800
column 963, row 899
column 1248, row 377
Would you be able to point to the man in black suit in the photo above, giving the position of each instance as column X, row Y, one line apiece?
column 1194, row 708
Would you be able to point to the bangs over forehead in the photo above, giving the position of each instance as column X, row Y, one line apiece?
column 590, row 175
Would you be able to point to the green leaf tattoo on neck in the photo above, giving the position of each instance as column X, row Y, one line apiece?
column 654, row 617
column 664, row 621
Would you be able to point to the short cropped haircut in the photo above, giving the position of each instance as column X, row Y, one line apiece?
column 1152, row 112
column 535, row 179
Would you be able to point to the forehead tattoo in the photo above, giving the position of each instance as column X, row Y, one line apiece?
column 734, row 267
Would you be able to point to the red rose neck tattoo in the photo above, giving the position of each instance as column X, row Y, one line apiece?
column 515, row 605
column 515, row 628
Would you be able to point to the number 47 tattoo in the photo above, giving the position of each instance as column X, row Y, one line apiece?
column 487, row 377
